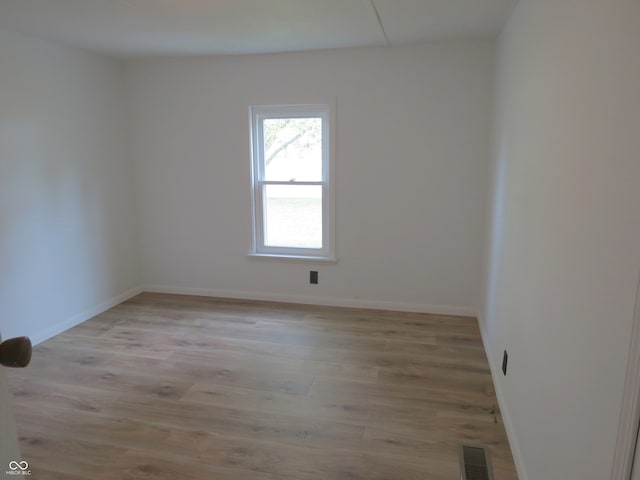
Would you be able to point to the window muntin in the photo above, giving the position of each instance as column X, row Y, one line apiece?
column 291, row 181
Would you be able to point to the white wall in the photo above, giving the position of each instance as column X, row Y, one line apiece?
column 565, row 232
column 413, row 145
column 67, row 243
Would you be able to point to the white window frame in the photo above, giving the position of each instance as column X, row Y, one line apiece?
column 259, row 113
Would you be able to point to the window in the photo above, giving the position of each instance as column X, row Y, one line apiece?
column 291, row 172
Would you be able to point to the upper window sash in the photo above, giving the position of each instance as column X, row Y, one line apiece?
column 261, row 113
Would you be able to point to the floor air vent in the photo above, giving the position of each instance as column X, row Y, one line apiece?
column 475, row 463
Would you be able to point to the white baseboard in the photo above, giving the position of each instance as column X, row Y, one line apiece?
column 504, row 411
column 83, row 316
column 272, row 297
column 309, row 300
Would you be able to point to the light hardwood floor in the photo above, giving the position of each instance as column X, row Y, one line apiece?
column 171, row 387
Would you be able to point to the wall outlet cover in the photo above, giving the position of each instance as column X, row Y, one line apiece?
column 505, row 360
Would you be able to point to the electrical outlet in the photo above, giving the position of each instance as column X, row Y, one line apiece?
column 313, row 277
column 505, row 360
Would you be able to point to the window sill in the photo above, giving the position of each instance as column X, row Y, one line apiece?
column 298, row 258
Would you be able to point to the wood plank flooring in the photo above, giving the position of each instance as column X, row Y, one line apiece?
column 166, row 387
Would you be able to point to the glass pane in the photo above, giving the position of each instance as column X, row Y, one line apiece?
column 293, row 149
column 293, row 216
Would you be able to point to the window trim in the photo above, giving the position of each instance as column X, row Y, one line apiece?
column 258, row 113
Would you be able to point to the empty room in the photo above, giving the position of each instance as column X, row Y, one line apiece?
column 320, row 239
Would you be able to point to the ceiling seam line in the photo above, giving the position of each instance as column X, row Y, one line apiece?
column 375, row 9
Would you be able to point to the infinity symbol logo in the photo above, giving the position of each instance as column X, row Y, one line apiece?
column 13, row 465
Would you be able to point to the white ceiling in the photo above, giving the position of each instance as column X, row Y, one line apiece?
column 133, row 28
